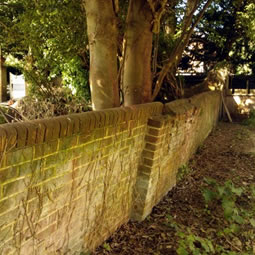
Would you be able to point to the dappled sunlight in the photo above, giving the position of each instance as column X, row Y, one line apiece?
column 244, row 104
column 99, row 83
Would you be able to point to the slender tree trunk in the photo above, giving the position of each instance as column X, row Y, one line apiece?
column 102, row 33
column 137, row 81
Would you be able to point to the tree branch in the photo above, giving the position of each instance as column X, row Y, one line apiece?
column 177, row 51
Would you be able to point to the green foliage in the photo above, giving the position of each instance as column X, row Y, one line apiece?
column 182, row 172
column 227, row 33
column 227, row 195
column 237, row 227
column 48, row 40
column 107, row 247
column 251, row 120
column 193, row 244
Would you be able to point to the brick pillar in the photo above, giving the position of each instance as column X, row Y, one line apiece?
column 155, row 174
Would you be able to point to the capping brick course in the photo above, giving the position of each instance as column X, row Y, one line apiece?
column 77, row 174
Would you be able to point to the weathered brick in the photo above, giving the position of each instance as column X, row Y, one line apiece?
column 68, row 142
column 3, row 140
column 29, row 168
column 156, row 122
column 11, row 136
column 63, row 126
column 99, row 133
column 6, row 232
column 16, row 186
column 21, row 134
column 153, row 139
column 9, row 173
column 100, row 118
column 74, row 118
column 19, row 156
column 85, row 138
column 40, row 132
column 28, row 135
column 46, row 149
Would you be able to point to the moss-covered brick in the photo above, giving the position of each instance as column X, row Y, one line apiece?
column 58, row 181
column 46, row 149
column 5, row 206
column 14, row 187
column 130, row 142
column 29, row 168
column 68, row 142
column 78, row 151
column 106, row 142
column 6, row 232
column 52, row 160
column 9, row 173
column 19, row 156
column 99, row 133
column 43, row 175
column 85, row 138
column 111, row 130
column 90, row 147
column 62, row 168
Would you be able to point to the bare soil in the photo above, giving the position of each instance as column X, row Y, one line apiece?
column 227, row 154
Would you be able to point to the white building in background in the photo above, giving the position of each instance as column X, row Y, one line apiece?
column 17, row 86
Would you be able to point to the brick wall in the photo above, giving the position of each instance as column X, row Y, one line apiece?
column 170, row 141
column 67, row 183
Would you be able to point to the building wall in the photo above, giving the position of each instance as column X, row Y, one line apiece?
column 67, row 183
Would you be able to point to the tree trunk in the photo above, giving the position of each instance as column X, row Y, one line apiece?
column 102, row 33
column 137, row 81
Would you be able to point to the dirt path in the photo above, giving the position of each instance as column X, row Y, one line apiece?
column 227, row 154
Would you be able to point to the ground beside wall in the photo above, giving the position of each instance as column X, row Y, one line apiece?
column 67, row 183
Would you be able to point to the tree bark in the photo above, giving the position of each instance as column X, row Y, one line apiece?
column 102, row 33
column 137, row 77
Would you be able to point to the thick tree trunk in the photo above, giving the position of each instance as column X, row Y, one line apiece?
column 137, row 81
column 102, row 33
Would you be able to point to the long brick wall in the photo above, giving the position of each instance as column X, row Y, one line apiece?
column 66, row 184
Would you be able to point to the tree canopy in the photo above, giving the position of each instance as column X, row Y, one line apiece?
column 129, row 48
